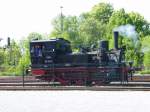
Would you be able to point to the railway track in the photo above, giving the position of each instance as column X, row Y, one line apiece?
column 114, row 86
column 19, row 79
column 139, row 83
column 99, row 88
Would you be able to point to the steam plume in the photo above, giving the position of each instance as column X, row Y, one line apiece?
column 145, row 49
column 128, row 31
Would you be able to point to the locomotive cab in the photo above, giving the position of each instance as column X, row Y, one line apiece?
column 43, row 52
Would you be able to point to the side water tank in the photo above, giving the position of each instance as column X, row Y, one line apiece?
column 103, row 45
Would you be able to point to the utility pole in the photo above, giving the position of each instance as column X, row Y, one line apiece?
column 10, row 49
column 1, row 39
column 61, row 15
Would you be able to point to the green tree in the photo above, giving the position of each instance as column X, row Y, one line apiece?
column 86, row 29
column 146, row 51
column 118, row 18
column 91, row 31
column 142, row 26
column 70, row 29
column 34, row 36
column 102, row 12
column 93, row 25
column 1, row 56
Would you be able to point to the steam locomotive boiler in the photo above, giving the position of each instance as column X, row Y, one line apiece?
column 53, row 60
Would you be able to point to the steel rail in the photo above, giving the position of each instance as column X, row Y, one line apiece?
column 33, row 88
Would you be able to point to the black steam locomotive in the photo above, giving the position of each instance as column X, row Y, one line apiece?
column 53, row 60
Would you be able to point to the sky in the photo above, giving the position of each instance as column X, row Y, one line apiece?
column 18, row 18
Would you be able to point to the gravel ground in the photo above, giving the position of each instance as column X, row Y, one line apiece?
column 74, row 101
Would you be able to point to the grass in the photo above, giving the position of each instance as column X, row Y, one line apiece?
column 145, row 72
column 5, row 73
column 8, row 71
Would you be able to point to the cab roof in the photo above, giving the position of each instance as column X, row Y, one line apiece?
column 51, row 40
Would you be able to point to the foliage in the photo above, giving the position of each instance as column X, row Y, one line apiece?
column 92, row 31
column 102, row 12
column 146, row 51
column 70, row 29
column 142, row 26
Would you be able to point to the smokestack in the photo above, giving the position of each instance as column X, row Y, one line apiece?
column 116, row 34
